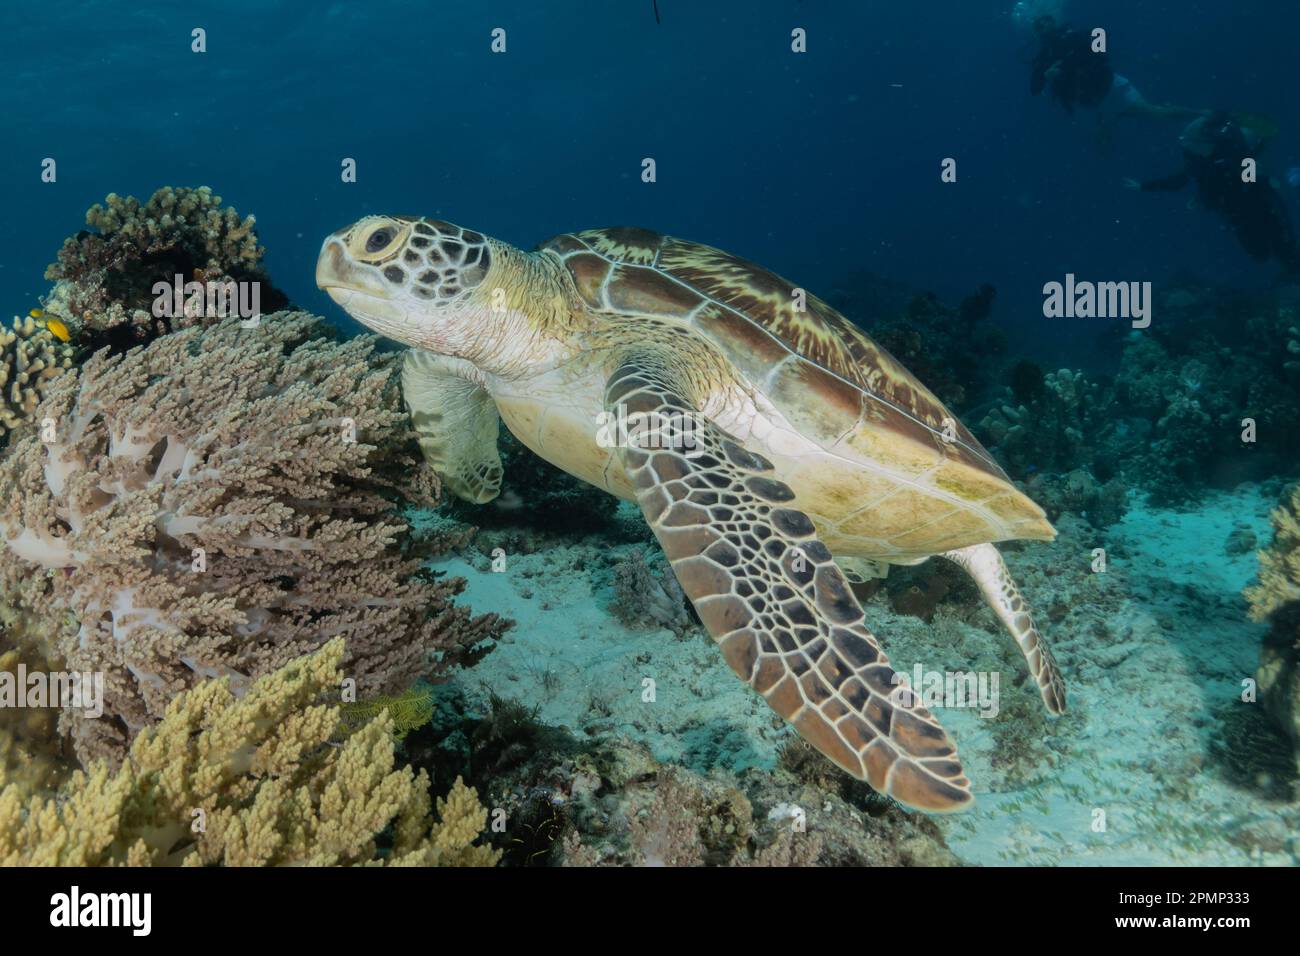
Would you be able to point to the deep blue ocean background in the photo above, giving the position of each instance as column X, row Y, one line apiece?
column 815, row 165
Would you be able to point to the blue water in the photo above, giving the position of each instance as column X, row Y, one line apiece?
column 814, row 165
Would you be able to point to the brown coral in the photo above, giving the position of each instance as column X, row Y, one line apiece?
column 105, row 279
column 219, row 503
column 249, row 780
column 30, row 356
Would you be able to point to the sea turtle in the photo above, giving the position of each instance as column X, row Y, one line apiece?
column 768, row 441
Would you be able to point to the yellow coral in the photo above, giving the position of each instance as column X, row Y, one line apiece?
column 29, row 357
column 1279, row 565
column 250, row 781
column 172, row 212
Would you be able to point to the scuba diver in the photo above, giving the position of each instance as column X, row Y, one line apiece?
column 1213, row 149
column 1075, row 76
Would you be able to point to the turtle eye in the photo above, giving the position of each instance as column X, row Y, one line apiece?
column 378, row 240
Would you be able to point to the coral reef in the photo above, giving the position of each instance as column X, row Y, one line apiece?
column 1183, row 418
column 1214, row 361
column 249, row 780
column 1169, row 423
column 1276, row 598
column 105, row 279
column 607, row 801
column 30, row 356
column 1078, row 492
column 1058, row 433
column 1056, row 425
column 220, row 502
column 622, row 807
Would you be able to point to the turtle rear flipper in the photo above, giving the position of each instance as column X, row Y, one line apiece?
column 772, row 597
column 984, row 564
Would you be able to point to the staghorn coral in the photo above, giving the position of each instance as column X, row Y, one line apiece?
column 220, row 502
column 249, row 781
column 30, row 356
column 105, row 279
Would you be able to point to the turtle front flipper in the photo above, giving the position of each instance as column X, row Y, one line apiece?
column 772, row 597
column 456, row 423
column 983, row 562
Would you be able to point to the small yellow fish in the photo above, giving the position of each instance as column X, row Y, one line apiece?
column 36, row 313
column 58, row 330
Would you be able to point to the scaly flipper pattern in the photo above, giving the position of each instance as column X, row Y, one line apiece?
column 983, row 562
column 771, row 595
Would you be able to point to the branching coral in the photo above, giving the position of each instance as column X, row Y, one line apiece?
column 105, row 279
column 220, row 502
column 249, row 780
column 30, row 356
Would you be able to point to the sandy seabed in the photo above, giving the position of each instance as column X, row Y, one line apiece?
column 1158, row 760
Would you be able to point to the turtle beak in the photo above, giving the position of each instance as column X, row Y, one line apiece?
column 359, row 291
column 336, row 273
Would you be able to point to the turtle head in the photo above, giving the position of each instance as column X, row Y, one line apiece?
column 420, row 281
